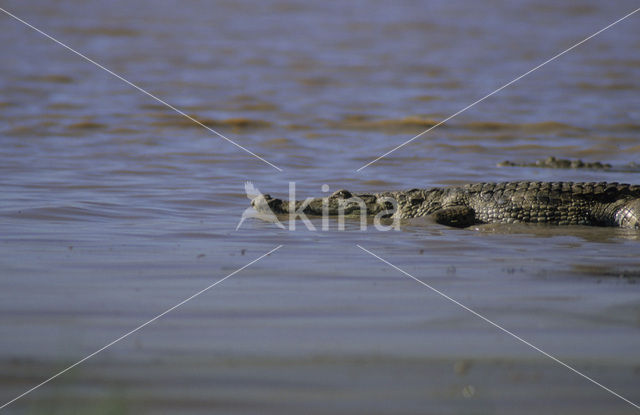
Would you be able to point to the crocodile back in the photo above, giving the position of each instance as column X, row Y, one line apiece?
column 560, row 203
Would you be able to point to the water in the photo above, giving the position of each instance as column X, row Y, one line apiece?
column 114, row 208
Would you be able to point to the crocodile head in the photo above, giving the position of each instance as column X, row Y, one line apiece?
column 267, row 204
column 340, row 202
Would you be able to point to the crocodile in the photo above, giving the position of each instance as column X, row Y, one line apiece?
column 559, row 163
column 554, row 203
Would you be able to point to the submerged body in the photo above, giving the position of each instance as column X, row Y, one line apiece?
column 559, row 163
column 555, row 203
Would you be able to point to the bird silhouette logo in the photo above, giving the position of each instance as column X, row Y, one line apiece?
column 262, row 209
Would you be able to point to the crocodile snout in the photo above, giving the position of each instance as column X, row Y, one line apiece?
column 260, row 200
column 267, row 204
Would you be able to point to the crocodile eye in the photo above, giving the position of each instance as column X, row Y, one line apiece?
column 341, row 194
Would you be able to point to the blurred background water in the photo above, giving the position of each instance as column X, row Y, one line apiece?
column 113, row 208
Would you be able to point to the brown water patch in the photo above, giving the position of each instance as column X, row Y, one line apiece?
column 615, row 86
column 548, row 126
column 538, row 127
column 173, row 120
column 63, row 106
column 450, row 84
column 619, row 127
column 426, row 98
column 188, row 154
column 316, row 81
column 52, row 116
column 86, row 125
column 31, row 130
column 316, row 135
column 298, row 127
column 244, row 98
column 124, row 131
column 488, row 126
column 581, row 9
column 147, row 170
column 421, row 26
column 467, row 148
column 356, row 117
column 602, row 152
column 362, row 122
column 31, row 90
column 305, row 64
column 497, row 136
column 632, row 149
column 281, row 142
column 244, row 123
column 566, row 9
column 253, row 61
column 102, row 31
column 205, row 159
column 542, row 147
column 260, row 106
column 611, row 62
column 245, row 102
column 55, row 79
column 21, row 131
column 376, row 183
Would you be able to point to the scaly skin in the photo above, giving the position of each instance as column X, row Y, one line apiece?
column 557, row 203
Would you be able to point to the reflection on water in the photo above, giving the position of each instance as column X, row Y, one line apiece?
column 114, row 208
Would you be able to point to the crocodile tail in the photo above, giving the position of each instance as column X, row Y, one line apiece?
column 628, row 216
